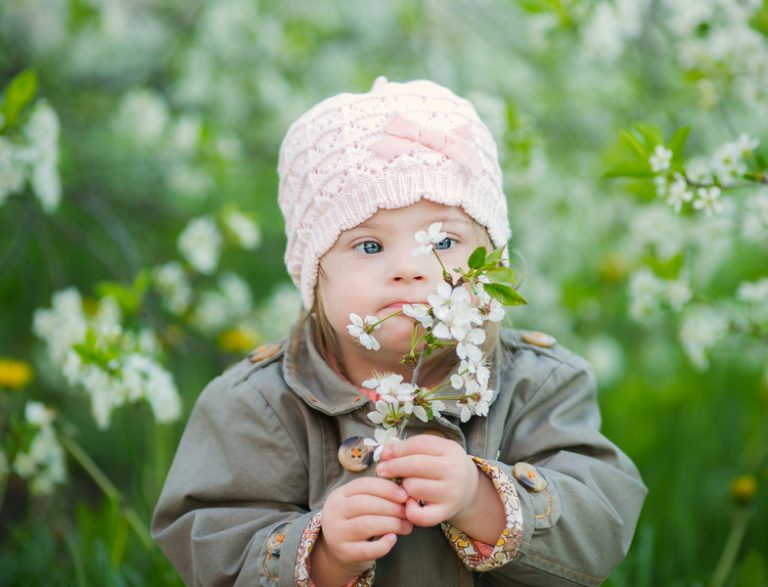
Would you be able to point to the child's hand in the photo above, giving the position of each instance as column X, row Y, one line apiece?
column 436, row 472
column 360, row 522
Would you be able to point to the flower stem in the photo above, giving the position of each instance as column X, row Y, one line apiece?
column 107, row 487
column 385, row 318
column 731, row 548
column 446, row 274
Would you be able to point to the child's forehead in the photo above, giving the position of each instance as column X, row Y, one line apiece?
column 423, row 211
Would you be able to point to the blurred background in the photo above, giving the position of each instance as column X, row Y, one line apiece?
column 141, row 243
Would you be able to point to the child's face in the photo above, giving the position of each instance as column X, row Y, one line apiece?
column 371, row 270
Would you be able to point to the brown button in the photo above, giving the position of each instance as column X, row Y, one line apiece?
column 539, row 339
column 263, row 352
column 529, row 477
column 435, row 432
column 355, row 455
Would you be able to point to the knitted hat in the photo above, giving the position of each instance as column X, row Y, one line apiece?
column 353, row 154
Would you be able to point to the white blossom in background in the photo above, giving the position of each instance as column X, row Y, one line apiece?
column 678, row 293
column 63, row 325
column 274, row 318
column 226, row 305
column 116, row 367
column 42, row 132
column 189, row 181
column 173, row 286
column 708, row 200
column 610, row 26
column 42, row 464
column 200, row 243
column 606, row 356
column 142, row 116
column 185, row 134
column 701, row 329
column 660, row 159
column 245, row 230
column 646, row 291
column 654, row 230
column 754, row 294
column 12, row 169
column 754, row 224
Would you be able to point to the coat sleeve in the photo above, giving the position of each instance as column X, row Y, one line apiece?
column 580, row 526
column 233, row 507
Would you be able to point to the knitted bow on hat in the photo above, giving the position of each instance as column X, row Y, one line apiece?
column 403, row 133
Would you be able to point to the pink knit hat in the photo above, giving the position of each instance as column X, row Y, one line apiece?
column 353, row 154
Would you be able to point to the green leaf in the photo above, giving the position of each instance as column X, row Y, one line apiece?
column 494, row 258
column 759, row 20
column 502, row 275
column 505, row 294
column 677, row 141
column 477, row 258
column 628, row 169
column 650, row 133
column 19, row 92
column 634, row 145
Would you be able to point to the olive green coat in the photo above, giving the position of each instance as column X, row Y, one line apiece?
column 260, row 451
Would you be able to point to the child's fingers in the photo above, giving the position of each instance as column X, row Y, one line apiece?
column 359, row 505
column 424, row 516
column 423, row 444
column 373, row 486
column 430, row 491
column 365, row 528
column 367, row 550
column 417, row 465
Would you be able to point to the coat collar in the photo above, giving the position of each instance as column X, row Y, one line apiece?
column 310, row 376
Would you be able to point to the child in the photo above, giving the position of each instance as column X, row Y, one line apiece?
column 268, row 486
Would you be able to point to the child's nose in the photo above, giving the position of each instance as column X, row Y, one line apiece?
column 410, row 268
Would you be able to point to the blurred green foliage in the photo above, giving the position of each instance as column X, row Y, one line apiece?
column 171, row 110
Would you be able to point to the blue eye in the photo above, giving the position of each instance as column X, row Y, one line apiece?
column 446, row 243
column 368, row 247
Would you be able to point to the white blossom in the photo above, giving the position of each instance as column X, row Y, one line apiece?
column 362, row 329
column 200, row 243
column 383, row 437
column 12, row 170
column 42, row 464
column 678, row 193
column 454, row 310
column 753, row 292
column 645, row 292
column 42, row 131
column 708, row 199
column 660, row 159
column 701, row 329
column 427, row 239
column 38, row 414
column 754, row 224
column 246, row 231
column 142, row 116
column 419, row 312
column 678, row 293
column 63, row 325
column 174, row 287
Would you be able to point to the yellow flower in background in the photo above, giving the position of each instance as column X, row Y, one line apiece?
column 14, row 374
column 236, row 340
column 744, row 488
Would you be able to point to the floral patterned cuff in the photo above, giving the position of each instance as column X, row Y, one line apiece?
column 479, row 556
column 308, row 540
